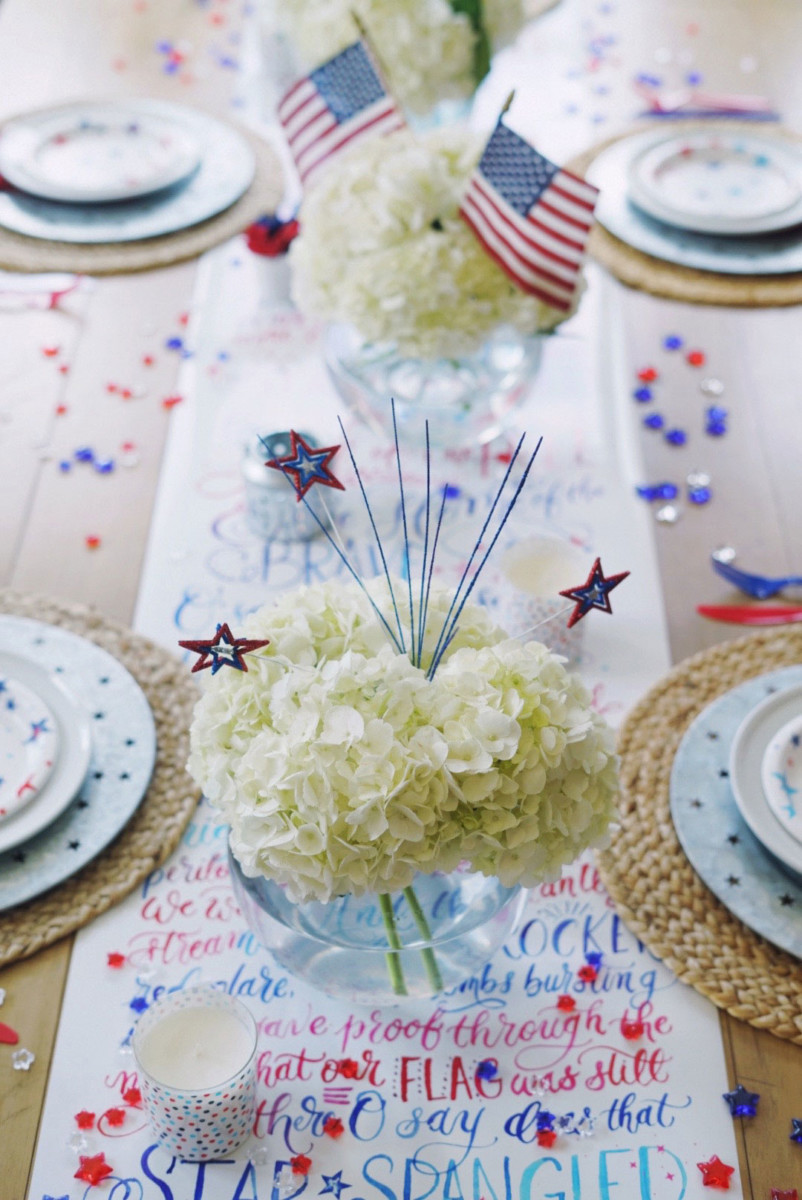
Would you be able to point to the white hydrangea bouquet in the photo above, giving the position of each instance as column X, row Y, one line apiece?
column 382, row 731
column 383, row 248
column 431, row 50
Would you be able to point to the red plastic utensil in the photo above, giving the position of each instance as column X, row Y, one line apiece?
column 752, row 614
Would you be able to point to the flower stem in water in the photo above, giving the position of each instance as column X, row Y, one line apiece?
column 392, row 956
column 427, row 954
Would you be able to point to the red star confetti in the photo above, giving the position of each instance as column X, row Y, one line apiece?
column 632, row 1030
column 51, row 351
column 115, row 1116
column 696, row 358
column 170, row 401
column 301, row 1164
column 306, row 465
column 566, row 1003
column 183, row 319
column 133, row 1096
column 8, row 1036
column 64, row 369
column 546, row 1137
column 348, row 1068
column 115, row 959
column 223, row 650
column 587, row 974
column 782, row 1194
column 715, row 1173
column 93, row 1170
column 333, row 1127
column 85, row 1120
column 92, row 541
column 593, row 593
column 148, row 360
column 61, row 409
column 647, row 375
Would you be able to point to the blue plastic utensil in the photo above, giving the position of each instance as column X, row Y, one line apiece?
column 759, row 586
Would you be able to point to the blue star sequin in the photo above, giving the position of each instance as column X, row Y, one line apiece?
column 654, row 421
column 306, row 465
column 700, row 495
column 138, row 1004
column 672, row 342
column 658, row 491
column 796, row 1130
column 545, row 1120
column 593, row 593
column 643, row 394
column 594, row 959
column 486, row 1069
column 676, row 437
column 334, row 1185
column 741, row 1102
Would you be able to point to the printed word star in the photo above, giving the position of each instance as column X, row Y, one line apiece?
column 307, row 466
column 223, row 650
column 715, row 1173
column 593, row 593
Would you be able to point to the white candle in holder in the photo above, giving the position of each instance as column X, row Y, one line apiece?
column 534, row 571
column 196, row 1054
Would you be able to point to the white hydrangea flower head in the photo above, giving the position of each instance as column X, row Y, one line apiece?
column 383, row 247
column 341, row 769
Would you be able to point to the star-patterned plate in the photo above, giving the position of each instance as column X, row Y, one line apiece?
column 28, row 743
column 70, row 722
column 781, row 773
column 715, row 837
column 121, row 763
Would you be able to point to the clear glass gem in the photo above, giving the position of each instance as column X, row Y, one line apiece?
column 669, row 514
column 698, row 479
column 78, row 1142
column 711, row 387
column 724, row 554
column 22, row 1059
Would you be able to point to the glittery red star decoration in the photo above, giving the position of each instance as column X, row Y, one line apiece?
column 566, row 1003
column 715, row 1173
column 546, row 1138
column 93, row 1170
column 84, row 1119
column 133, row 1096
column 223, row 650
column 593, row 593
column 115, row 960
column 301, row 1164
column 333, row 1127
column 587, row 974
column 348, row 1068
column 115, row 1116
column 307, row 465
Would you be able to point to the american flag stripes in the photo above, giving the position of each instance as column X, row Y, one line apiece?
column 335, row 105
column 532, row 217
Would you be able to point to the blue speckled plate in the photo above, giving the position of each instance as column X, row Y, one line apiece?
column 123, row 754
column 712, row 832
column 777, row 253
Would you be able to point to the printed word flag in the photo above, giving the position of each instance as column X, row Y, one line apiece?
column 531, row 216
column 334, row 106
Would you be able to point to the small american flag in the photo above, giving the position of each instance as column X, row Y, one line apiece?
column 336, row 104
column 532, row 217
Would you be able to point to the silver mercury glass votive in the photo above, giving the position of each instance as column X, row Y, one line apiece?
column 274, row 511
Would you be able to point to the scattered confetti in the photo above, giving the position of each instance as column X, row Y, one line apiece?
column 711, row 387
column 593, row 593
column 594, row 958
column 632, row 1030
column 133, row 1097
column 84, row 1119
column 260, row 1155
column 333, row 1127
column 566, row 1003
column 22, row 1060
column 348, row 1068
column 676, row 437
column 545, row 1120
column 78, row 1142
column 725, row 554
column 105, row 467
column 700, row 495
column 647, row 374
column 696, row 358
column 92, row 541
column 487, row 1069
column 93, row 1170
column 783, row 1194
column 588, row 973
column 148, row 360
column 115, row 959
column 715, row 420
column 84, row 454
column 796, row 1130
column 715, row 1173
column 741, row 1102
column 270, row 236
column 669, row 514
column 654, row 421
column 138, row 1004
column 61, row 410
column 301, row 1164
column 672, row 342
column 171, row 401
column 307, row 465
column 115, row 1117
column 643, row 394
column 546, row 1137
column 8, row 1036
column 51, row 351
column 223, row 650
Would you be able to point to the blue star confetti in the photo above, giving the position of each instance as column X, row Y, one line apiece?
column 654, row 421
column 223, row 650
column 643, row 394
column 594, row 959
column 487, row 1069
column 658, row 491
column 796, row 1130
column 742, row 1103
column 334, row 1185
column 545, row 1120
column 306, row 466
column 715, row 420
column 138, row 1004
column 593, row 593
column 676, row 437
column 672, row 342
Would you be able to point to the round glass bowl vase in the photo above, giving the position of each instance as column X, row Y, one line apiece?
column 468, row 400
column 341, row 947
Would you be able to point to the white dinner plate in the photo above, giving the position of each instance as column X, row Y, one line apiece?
column 70, row 766
column 90, row 153
column 226, row 170
column 781, row 774
column 720, row 182
column 29, row 742
column 747, row 755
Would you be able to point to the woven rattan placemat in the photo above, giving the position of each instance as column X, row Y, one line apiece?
column 661, row 278
column 20, row 253
column 156, row 827
column 654, row 887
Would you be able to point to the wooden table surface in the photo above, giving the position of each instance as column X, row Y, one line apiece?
column 57, row 51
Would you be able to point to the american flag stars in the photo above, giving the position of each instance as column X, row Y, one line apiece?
column 223, row 650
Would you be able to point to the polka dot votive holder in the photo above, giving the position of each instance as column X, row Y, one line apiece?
column 196, row 1058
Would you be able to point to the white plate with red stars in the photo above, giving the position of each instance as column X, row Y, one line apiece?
column 92, row 153
column 45, row 746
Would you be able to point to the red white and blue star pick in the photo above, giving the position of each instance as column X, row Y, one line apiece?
column 223, row 650
column 307, row 466
column 716, row 1173
column 593, row 593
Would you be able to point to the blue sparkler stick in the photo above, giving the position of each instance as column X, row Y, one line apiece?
column 436, row 660
column 478, row 543
column 400, row 640
column 425, row 547
column 431, row 565
column 406, row 533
